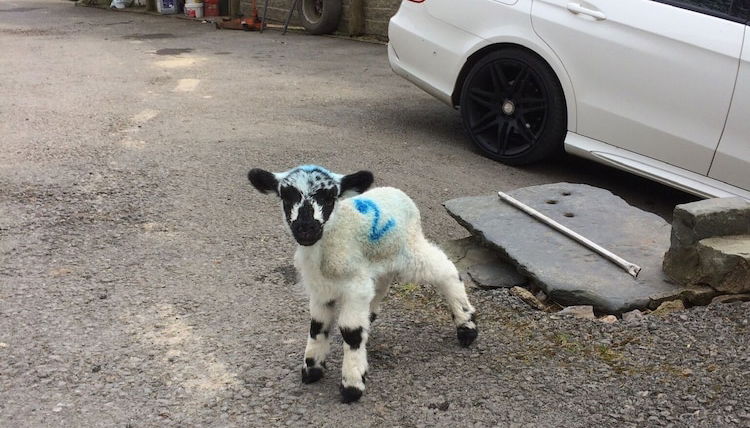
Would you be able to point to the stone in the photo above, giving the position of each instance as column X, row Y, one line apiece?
column 565, row 270
column 708, row 218
column 580, row 311
column 528, row 298
column 696, row 295
column 609, row 319
column 724, row 263
column 700, row 220
column 669, row 307
column 699, row 295
column 633, row 316
column 496, row 275
column 731, row 298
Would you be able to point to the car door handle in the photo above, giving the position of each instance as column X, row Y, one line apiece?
column 578, row 9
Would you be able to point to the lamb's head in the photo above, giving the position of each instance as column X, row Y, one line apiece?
column 308, row 195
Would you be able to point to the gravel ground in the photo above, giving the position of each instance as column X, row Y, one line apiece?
column 144, row 283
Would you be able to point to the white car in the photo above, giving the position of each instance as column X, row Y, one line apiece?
column 660, row 88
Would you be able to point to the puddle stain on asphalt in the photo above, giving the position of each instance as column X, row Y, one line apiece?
column 173, row 51
column 152, row 36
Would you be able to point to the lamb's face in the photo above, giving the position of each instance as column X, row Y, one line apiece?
column 308, row 195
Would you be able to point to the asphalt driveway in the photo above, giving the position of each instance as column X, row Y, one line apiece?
column 144, row 283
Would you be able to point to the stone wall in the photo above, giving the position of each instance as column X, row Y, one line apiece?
column 376, row 15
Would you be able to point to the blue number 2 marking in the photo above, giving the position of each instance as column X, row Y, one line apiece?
column 366, row 206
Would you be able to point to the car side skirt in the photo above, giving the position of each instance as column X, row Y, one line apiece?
column 662, row 172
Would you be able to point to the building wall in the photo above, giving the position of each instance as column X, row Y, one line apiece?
column 376, row 14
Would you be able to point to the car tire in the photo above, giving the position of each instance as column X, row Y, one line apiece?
column 320, row 16
column 513, row 107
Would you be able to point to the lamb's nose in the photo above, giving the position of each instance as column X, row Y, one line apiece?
column 308, row 229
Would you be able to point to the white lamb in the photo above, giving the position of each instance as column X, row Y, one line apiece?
column 350, row 251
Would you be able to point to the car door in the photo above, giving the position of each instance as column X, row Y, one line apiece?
column 732, row 161
column 652, row 77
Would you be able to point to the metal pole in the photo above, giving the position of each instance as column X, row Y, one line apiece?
column 289, row 17
column 631, row 268
column 265, row 12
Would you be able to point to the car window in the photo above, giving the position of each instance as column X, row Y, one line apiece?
column 719, row 8
column 741, row 9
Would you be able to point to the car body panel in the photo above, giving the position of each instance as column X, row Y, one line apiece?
column 427, row 50
column 649, row 77
column 650, row 168
column 436, row 72
column 732, row 161
column 430, row 46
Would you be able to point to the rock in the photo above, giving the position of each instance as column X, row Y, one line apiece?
column 609, row 319
column 699, row 220
column 528, row 298
column 565, row 270
column 731, row 298
column 669, row 307
column 699, row 295
column 707, row 218
column 496, row 275
column 696, row 295
column 633, row 316
column 581, row 311
column 724, row 263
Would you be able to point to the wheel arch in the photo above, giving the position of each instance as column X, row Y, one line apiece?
column 548, row 57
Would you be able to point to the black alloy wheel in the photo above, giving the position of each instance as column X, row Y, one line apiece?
column 513, row 107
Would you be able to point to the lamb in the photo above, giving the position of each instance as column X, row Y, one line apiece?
column 353, row 243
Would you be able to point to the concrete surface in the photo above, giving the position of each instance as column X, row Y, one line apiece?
column 143, row 283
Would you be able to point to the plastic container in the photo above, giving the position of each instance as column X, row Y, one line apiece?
column 210, row 7
column 194, row 10
column 166, row 7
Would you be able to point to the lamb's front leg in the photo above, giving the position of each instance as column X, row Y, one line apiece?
column 319, row 341
column 354, row 322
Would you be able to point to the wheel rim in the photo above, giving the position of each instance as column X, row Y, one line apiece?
column 507, row 107
column 313, row 10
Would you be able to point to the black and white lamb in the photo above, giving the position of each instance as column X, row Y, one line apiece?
column 353, row 243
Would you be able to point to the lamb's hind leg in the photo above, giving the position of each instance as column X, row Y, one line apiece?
column 435, row 268
column 382, row 285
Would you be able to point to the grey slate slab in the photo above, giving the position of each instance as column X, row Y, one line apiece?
column 568, row 272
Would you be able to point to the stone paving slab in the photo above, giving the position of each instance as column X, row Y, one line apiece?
column 568, row 272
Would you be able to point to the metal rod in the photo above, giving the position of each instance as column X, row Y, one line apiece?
column 631, row 268
column 289, row 17
column 265, row 12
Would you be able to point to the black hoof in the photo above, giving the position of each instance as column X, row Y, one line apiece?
column 373, row 317
column 311, row 374
column 350, row 394
column 466, row 335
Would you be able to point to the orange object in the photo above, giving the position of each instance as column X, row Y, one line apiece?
column 252, row 23
column 210, row 7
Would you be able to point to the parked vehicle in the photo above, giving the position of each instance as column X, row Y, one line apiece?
column 660, row 88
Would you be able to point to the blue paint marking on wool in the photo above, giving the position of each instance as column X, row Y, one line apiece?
column 366, row 206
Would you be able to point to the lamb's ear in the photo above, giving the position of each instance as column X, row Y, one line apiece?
column 263, row 180
column 358, row 182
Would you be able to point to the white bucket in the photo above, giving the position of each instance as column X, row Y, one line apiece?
column 166, row 7
column 194, row 9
